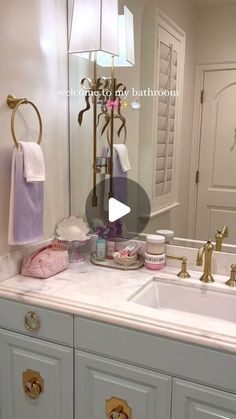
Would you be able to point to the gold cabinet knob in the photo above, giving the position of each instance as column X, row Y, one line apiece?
column 118, row 409
column 33, row 388
column 32, row 322
column 118, row 413
column 33, row 384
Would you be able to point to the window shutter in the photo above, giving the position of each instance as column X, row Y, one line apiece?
column 165, row 139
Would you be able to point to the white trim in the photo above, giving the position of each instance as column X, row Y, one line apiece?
column 165, row 209
column 201, row 69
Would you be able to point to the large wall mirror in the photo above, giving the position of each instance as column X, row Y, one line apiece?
column 182, row 149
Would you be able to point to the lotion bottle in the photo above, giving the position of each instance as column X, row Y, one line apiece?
column 101, row 246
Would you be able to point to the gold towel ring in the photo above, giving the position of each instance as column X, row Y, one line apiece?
column 14, row 104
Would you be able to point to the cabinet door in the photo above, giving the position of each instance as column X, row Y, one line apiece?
column 193, row 401
column 99, row 380
column 20, row 354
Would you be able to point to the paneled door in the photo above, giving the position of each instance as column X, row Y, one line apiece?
column 216, row 202
column 193, row 401
column 36, row 378
column 107, row 389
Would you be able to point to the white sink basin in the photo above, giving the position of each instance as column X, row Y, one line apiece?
column 195, row 299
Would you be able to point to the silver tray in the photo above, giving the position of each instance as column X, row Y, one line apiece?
column 110, row 263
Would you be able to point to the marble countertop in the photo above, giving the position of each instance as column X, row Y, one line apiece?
column 103, row 294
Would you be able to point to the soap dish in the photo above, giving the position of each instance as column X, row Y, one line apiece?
column 110, row 263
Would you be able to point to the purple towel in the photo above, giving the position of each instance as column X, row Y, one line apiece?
column 26, row 205
column 120, row 184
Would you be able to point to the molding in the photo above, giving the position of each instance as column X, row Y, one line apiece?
column 165, row 209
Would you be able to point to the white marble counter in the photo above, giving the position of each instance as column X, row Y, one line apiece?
column 103, row 294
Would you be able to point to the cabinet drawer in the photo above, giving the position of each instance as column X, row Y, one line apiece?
column 173, row 357
column 109, row 386
column 39, row 322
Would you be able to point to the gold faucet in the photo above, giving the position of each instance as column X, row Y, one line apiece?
column 183, row 273
column 232, row 281
column 206, row 250
column 220, row 235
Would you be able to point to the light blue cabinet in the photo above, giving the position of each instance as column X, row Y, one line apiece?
column 71, row 367
column 98, row 380
column 193, row 401
column 49, row 383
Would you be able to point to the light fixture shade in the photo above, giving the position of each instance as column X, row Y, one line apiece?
column 126, row 43
column 94, row 27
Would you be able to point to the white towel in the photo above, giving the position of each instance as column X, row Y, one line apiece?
column 123, row 156
column 34, row 167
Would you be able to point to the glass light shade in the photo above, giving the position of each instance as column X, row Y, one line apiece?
column 126, row 44
column 94, row 27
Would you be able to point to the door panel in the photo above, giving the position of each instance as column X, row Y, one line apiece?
column 193, row 401
column 55, row 365
column 148, row 394
column 216, row 203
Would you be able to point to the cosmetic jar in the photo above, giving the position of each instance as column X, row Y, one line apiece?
column 155, row 262
column 155, row 244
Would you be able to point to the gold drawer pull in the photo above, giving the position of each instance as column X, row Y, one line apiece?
column 32, row 322
column 118, row 409
column 33, row 384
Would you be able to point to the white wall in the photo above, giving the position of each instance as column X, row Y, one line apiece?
column 216, row 34
column 33, row 50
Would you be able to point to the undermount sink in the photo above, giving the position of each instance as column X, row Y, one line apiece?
column 197, row 299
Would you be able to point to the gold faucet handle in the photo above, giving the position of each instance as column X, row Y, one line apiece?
column 232, row 280
column 209, row 246
column 225, row 231
column 184, row 273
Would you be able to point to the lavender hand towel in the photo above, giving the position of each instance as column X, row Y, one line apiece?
column 26, row 204
column 120, row 184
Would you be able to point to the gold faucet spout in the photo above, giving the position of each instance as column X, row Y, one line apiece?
column 207, row 251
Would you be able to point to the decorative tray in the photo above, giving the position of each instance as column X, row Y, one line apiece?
column 110, row 263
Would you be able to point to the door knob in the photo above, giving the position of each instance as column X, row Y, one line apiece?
column 33, row 384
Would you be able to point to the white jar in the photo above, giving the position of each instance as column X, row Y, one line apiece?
column 155, row 244
column 154, row 262
column 168, row 234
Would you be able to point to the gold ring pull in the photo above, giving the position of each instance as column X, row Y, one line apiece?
column 118, row 409
column 118, row 413
column 14, row 104
column 32, row 322
column 33, row 384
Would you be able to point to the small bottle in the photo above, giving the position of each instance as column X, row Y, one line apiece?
column 101, row 246
column 111, row 244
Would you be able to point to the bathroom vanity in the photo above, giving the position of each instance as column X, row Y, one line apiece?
column 93, row 343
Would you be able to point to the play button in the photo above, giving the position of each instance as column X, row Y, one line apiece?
column 122, row 216
column 117, row 210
